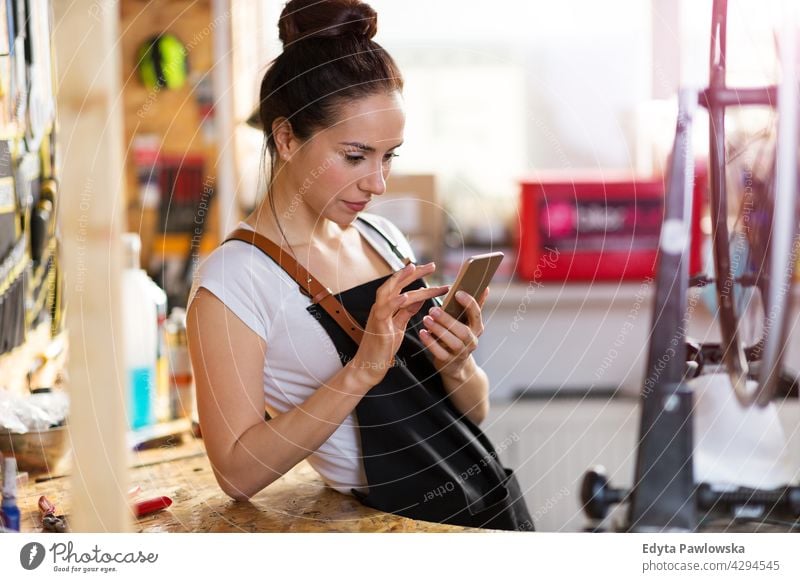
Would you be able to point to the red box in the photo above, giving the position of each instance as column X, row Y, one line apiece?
column 586, row 229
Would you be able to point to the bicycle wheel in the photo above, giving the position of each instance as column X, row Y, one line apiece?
column 776, row 285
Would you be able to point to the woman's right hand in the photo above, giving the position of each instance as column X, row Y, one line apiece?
column 387, row 321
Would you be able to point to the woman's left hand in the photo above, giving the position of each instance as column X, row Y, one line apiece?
column 450, row 341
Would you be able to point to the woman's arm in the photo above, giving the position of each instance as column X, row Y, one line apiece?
column 246, row 452
column 469, row 390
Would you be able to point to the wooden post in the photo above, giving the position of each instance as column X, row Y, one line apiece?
column 222, row 79
column 91, row 210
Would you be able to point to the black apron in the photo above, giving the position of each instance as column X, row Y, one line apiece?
column 423, row 459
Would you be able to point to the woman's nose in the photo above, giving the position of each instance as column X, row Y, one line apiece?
column 375, row 182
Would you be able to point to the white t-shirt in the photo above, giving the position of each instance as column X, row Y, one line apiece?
column 300, row 355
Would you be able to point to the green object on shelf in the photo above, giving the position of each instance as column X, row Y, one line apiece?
column 163, row 62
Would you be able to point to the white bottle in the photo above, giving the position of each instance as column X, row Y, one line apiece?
column 140, row 323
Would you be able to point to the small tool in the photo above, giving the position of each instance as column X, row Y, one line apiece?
column 50, row 521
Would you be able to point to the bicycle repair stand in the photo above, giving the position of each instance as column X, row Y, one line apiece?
column 664, row 496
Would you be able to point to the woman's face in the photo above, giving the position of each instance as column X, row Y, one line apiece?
column 341, row 168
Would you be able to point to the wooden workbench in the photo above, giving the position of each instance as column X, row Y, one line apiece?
column 298, row 502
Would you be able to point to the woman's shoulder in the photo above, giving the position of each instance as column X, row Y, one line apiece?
column 237, row 268
column 237, row 256
column 234, row 257
column 245, row 280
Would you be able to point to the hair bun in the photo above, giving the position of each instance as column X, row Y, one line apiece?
column 301, row 19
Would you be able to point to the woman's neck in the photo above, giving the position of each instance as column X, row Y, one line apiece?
column 301, row 225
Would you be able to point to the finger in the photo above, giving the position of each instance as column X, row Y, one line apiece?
column 402, row 317
column 386, row 293
column 434, row 347
column 397, row 277
column 386, row 308
column 409, row 273
column 484, row 296
column 457, row 338
column 473, row 311
column 421, row 295
column 462, row 329
column 427, row 293
column 413, row 300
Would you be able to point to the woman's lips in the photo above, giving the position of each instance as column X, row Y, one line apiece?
column 355, row 206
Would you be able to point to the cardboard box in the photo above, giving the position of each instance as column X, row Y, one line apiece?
column 411, row 202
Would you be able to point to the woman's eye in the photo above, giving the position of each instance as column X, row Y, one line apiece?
column 353, row 159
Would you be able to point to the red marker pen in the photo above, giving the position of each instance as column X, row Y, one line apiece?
column 149, row 506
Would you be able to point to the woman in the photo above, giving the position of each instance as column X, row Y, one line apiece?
column 389, row 415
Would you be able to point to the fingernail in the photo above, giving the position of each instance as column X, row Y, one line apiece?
column 461, row 294
column 436, row 311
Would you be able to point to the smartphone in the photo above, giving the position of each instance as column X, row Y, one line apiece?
column 473, row 277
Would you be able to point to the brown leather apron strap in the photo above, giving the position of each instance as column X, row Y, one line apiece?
column 309, row 285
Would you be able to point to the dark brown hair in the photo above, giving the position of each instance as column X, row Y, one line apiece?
column 328, row 58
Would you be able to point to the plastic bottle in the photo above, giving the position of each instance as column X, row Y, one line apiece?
column 181, row 377
column 8, row 509
column 141, row 336
column 162, row 411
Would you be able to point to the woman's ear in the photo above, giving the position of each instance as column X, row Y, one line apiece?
column 285, row 140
